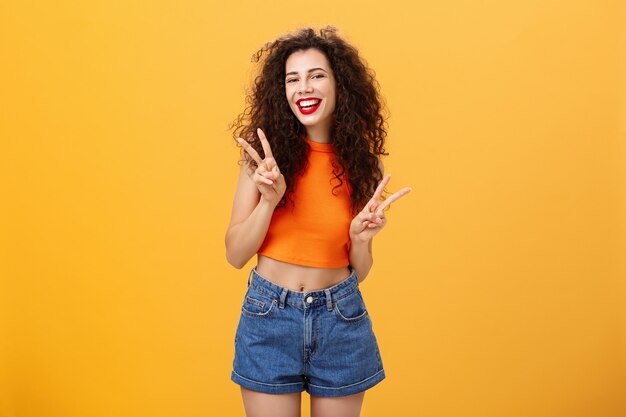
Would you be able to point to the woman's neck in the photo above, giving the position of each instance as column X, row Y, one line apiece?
column 319, row 134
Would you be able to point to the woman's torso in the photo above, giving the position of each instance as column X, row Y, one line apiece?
column 299, row 278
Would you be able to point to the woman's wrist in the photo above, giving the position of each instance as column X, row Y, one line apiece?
column 268, row 203
column 358, row 240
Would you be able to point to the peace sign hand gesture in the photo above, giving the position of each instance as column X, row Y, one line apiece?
column 372, row 218
column 267, row 177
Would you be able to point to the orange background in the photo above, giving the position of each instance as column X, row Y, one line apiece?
column 498, row 287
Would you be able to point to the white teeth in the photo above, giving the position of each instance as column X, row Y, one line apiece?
column 308, row 103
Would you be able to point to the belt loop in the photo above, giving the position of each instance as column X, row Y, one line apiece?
column 283, row 295
column 329, row 301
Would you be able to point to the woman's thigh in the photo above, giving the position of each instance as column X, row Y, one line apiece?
column 260, row 404
column 347, row 406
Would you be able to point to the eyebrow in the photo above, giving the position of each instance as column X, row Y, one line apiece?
column 311, row 70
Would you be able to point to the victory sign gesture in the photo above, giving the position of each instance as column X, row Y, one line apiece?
column 267, row 177
column 372, row 218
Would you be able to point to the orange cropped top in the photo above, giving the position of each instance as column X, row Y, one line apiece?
column 313, row 231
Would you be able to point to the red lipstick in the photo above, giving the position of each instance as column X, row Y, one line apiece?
column 309, row 109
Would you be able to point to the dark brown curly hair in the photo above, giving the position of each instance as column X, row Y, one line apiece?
column 358, row 129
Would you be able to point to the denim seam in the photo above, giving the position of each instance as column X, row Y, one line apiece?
column 263, row 291
column 262, row 315
column 263, row 383
column 350, row 319
column 254, row 301
column 347, row 386
column 350, row 288
column 334, row 299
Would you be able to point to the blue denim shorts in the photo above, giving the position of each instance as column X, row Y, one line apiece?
column 319, row 341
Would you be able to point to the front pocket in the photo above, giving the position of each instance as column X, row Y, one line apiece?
column 256, row 305
column 255, row 302
column 351, row 308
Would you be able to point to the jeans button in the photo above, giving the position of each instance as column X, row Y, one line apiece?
column 309, row 299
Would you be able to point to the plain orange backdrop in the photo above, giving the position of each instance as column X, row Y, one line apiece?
column 498, row 287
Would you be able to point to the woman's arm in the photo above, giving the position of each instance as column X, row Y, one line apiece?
column 367, row 224
column 361, row 258
column 249, row 221
column 256, row 196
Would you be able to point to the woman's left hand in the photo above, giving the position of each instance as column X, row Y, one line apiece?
column 372, row 218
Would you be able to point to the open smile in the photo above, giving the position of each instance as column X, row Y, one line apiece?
column 308, row 105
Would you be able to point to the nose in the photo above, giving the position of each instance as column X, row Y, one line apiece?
column 304, row 87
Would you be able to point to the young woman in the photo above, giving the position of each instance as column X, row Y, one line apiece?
column 308, row 203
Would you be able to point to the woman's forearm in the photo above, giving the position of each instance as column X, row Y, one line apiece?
column 361, row 258
column 245, row 238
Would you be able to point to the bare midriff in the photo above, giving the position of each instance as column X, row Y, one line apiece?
column 299, row 278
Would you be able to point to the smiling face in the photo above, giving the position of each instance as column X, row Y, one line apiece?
column 310, row 89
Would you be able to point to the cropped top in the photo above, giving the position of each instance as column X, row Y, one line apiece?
column 314, row 230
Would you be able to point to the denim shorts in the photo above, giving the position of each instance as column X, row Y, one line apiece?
column 320, row 342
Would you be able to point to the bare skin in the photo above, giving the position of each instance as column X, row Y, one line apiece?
column 300, row 278
column 259, row 404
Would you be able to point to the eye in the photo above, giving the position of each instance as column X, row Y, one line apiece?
column 290, row 80
column 318, row 76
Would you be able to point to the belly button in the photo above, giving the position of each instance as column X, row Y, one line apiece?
column 302, row 289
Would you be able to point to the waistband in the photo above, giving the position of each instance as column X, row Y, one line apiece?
column 315, row 298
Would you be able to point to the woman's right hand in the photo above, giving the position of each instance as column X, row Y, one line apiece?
column 267, row 177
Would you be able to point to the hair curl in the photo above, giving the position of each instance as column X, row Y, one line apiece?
column 358, row 130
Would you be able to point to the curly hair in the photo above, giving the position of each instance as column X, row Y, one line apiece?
column 358, row 128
